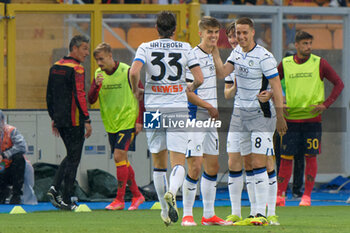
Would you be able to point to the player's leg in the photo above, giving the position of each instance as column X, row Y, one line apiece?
column 156, row 140
column 272, row 193
column 177, row 145
column 209, row 178
column 235, row 185
column 235, row 178
column 262, row 146
column 312, row 133
column 137, row 198
column 290, row 143
column 208, row 190
column 194, row 157
column 298, row 174
column 189, row 188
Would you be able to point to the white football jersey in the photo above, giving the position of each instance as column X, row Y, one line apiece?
column 165, row 61
column 207, row 91
column 252, row 71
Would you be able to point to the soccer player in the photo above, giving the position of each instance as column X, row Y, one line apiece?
column 203, row 146
column 305, row 103
column 235, row 179
column 165, row 61
column 122, row 119
column 255, row 71
column 67, row 107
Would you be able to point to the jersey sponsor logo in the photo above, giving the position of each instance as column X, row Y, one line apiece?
column 59, row 72
column 301, row 75
column 112, row 86
column 168, row 88
column 243, row 71
column 152, row 120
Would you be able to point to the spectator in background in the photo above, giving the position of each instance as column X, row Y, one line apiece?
column 68, row 111
column 302, row 78
column 12, row 162
column 122, row 119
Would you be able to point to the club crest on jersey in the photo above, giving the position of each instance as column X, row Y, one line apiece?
column 251, row 63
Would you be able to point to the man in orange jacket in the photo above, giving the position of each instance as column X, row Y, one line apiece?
column 13, row 147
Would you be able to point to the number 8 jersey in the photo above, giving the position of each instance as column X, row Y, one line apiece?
column 165, row 61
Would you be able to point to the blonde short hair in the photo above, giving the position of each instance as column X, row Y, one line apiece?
column 103, row 47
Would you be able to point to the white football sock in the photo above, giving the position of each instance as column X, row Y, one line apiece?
column 261, row 190
column 271, row 201
column 161, row 186
column 251, row 191
column 208, row 190
column 235, row 186
column 176, row 178
column 189, row 190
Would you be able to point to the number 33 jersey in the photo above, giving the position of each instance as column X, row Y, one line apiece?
column 165, row 61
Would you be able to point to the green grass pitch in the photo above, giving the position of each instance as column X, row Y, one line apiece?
column 314, row 219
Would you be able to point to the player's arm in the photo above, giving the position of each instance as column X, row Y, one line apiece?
column 194, row 99
column 198, row 78
column 93, row 92
column 329, row 73
column 222, row 70
column 139, row 120
column 281, row 124
column 134, row 78
column 230, row 89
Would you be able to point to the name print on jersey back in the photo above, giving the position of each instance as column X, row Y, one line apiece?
column 165, row 62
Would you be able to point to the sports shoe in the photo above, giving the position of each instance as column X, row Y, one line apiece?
column 65, row 206
column 244, row 222
column 54, row 197
column 188, row 221
column 259, row 220
column 173, row 213
column 136, row 201
column 165, row 219
column 115, row 205
column 280, row 201
column 215, row 220
column 233, row 218
column 297, row 195
column 305, row 201
column 273, row 220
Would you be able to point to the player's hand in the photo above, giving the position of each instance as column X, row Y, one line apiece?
column 99, row 79
column 189, row 88
column 264, row 96
column 138, row 93
column 318, row 109
column 215, row 51
column 138, row 128
column 88, row 129
column 54, row 129
column 281, row 126
column 213, row 113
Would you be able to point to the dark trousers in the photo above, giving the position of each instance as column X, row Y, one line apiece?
column 299, row 164
column 13, row 175
column 73, row 139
